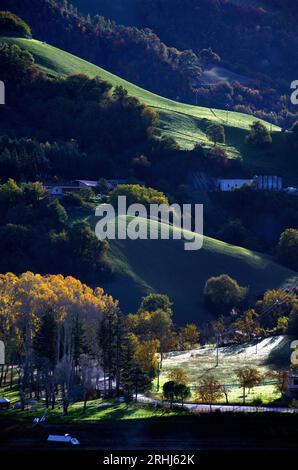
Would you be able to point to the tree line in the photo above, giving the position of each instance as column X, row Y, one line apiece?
column 36, row 234
column 66, row 341
column 138, row 55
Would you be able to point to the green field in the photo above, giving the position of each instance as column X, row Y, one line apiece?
column 186, row 123
column 201, row 362
column 144, row 266
column 97, row 410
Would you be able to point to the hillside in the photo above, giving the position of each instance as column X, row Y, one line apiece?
column 186, row 123
column 163, row 266
column 122, row 13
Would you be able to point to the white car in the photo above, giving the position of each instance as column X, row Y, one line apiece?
column 67, row 439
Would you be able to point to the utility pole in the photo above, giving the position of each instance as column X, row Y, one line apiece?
column 217, row 349
column 158, row 377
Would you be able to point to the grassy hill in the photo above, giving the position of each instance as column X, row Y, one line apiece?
column 144, row 266
column 164, row 266
column 186, row 123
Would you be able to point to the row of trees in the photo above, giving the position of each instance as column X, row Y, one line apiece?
column 210, row 390
column 276, row 312
column 138, row 55
column 66, row 341
column 245, row 54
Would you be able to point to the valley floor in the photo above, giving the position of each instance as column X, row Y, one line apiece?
column 201, row 362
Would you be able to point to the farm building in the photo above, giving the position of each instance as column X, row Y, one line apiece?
column 78, row 185
column 262, row 183
column 201, row 181
column 231, row 184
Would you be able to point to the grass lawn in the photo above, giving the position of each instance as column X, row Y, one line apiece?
column 186, row 123
column 96, row 411
column 201, row 362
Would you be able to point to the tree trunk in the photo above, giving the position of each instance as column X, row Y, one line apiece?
column 1, row 375
column 11, row 377
column 6, row 373
column 65, row 407
column 136, row 386
column 85, row 400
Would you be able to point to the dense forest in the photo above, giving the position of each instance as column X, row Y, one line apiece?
column 254, row 43
column 135, row 54
column 35, row 234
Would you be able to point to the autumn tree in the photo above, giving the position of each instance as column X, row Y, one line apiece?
column 43, row 312
column 147, row 356
column 210, row 390
column 178, row 375
column 276, row 303
column 248, row 377
column 154, row 321
column 189, row 336
column 247, row 325
column 281, row 377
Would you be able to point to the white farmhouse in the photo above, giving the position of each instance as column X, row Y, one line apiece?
column 231, row 184
column 262, row 183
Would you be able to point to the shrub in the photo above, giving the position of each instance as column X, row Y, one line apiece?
column 222, row 293
column 12, row 25
column 287, row 248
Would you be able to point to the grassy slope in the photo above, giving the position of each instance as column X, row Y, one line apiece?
column 186, row 123
column 200, row 362
column 164, row 266
column 145, row 266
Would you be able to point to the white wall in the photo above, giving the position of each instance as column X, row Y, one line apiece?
column 230, row 184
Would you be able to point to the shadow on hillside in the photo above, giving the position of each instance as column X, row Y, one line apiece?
column 281, row 354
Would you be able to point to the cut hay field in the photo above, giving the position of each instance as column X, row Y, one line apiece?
column 186, row 123
column 266, row 356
